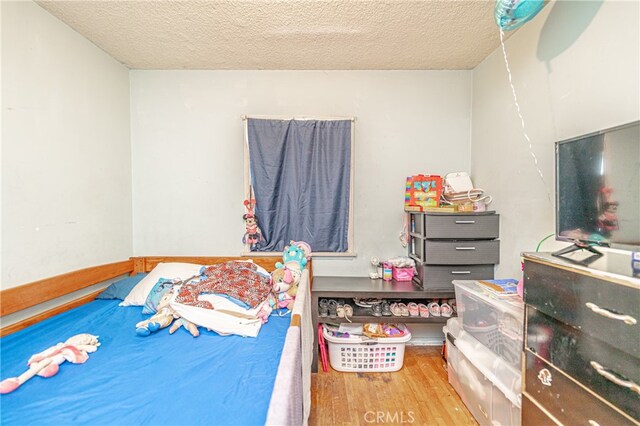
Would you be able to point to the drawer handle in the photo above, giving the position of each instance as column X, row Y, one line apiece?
column 614, row 378
column 465, row 222
column 460, row 272
column 627, row 319
column 465, row 248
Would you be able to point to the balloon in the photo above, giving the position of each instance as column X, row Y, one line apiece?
column 511, row 14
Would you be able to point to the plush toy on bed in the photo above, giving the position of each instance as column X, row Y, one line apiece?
column 164, row 317
column 47, row 363
column 296, row 256
column 285, row 288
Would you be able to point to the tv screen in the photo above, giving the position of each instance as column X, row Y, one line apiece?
column 598, row 188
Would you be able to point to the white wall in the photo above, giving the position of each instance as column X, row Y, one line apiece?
column 187, row 138
column 576, row 70
column 66, row 152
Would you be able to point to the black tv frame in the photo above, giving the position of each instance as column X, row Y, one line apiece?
column 578, row 244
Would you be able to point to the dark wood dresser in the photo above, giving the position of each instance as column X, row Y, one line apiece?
column 581, row 363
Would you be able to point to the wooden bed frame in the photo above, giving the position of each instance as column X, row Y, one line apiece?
column 291, row 400
column 25, row 296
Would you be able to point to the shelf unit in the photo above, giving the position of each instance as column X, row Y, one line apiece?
column 346, row 288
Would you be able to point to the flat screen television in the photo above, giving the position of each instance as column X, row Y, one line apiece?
column 598, row 189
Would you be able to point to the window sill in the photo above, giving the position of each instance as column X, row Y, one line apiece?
column 313, row 254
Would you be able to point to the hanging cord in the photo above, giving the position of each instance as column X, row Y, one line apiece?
column 543, row 240
column 404, row 233
column 524, row 131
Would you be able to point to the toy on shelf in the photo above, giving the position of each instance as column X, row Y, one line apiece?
column 253, row 234
column 47, row 363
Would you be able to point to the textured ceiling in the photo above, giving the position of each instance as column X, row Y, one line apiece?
column 294, row 34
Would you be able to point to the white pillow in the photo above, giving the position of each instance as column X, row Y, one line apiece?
column 138, row 295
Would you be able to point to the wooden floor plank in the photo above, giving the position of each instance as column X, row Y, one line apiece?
column 419, row 394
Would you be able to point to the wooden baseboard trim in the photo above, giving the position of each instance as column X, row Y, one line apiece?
column 48, row 314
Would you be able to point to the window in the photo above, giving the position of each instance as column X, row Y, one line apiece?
column 301, row 173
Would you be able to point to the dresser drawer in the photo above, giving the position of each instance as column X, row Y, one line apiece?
column 532, row 415
column 459, row 227
column 439, row 277
column 567, row 401
column 593, row 363
column 607, row 311
column 459, row 252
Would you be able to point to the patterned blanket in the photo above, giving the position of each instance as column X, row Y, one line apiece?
column 239, row 280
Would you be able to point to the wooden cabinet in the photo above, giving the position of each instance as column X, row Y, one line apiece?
column 582, row 339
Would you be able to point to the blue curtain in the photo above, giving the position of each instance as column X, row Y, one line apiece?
column 300, row 172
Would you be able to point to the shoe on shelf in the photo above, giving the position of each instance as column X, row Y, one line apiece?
column 358, row 302
column 423, row 310
column 386, row 310
column 348, row 312
column 396, row 310
column 446, row 310
column 403, row 309
column 340, row 310
column 414, row 311
column 366, row 303
column 434, row 309
column 453, row 304
column 377, row 310
column 333, row 308
column 323, row 308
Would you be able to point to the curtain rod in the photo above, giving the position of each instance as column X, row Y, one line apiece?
column 288, row 117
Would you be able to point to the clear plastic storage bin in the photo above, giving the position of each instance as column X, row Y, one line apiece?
column 488, row 386
column 496, row 322
column 360, row 354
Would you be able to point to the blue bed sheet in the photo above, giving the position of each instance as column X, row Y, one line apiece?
column 162, row 379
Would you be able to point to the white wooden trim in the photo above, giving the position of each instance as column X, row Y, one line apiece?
column 313, row 254
column 350, row 246
column 247, row 170
column 293, row 117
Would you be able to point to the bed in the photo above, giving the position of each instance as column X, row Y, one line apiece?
column 160, row 379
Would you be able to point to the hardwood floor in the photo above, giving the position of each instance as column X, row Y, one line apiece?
column 419, row 394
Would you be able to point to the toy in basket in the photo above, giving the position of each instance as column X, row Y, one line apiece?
column 361, row 353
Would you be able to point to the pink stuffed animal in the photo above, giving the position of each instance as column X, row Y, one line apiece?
column 46, row 363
